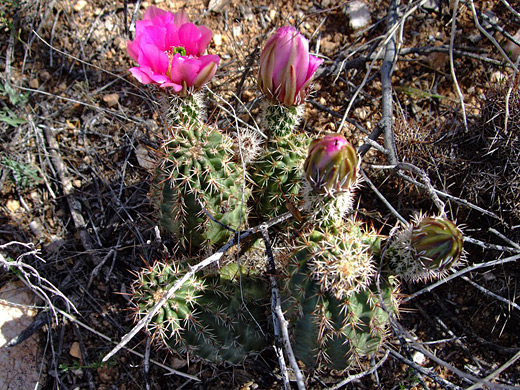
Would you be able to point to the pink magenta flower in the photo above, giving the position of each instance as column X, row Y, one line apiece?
column 169, row 50
column 286, row 67
column 331, row 165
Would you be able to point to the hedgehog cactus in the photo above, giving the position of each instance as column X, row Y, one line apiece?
column 214, row 317
column 277, row 175
column 340, row 315
column 426, row 249
column 331, row 331
column 198, row 176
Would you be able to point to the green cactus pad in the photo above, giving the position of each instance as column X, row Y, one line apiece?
column 198, row 174
column 277, row 175
column 220, row 318
column 336, row 333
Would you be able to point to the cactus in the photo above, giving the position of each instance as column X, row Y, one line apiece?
column 197, row 174
column 218, row 317
column 341, row 257
column 339, row 315
column 332, row 331
column 277, row 175
column 426, row 249
column 332, row 165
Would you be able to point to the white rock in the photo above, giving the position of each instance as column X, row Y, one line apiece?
column 80, row 5
column 217, row 39
column 419, row 358
column 358, row 14
column 19, row 365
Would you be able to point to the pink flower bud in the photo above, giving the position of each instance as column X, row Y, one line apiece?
column 286, row 67
column 331, row 165
column 170, row 51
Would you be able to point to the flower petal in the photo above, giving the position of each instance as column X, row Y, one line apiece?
column 150, row 56
column 153, row 13
column 142, row 74
column 207, row 68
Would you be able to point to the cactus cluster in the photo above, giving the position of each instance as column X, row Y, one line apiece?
column 337, row 308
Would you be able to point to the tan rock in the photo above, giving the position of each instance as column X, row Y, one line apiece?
column 19, row 365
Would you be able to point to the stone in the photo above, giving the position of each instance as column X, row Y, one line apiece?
column 111, row 99
column 19, row 365
column 358, row 14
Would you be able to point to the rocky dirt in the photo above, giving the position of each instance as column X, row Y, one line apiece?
column 76, row 130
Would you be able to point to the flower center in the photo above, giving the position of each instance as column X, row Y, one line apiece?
column 174, row 50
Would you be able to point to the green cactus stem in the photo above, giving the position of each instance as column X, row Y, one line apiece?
column 218, row 317
column 277, row 175
column 198, row 176
column 331, row 332
column 183, row 110
column 280, row 120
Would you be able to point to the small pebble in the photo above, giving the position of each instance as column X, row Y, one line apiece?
column 13, row 205
column 358, row 14
column 34, row 83
column 419, row 358
column 80, row 5
column 111, row 99
column 36, row 228
column 217, row 39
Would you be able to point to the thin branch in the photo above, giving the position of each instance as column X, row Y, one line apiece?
column 491, row 294
column 278, row 318
column 495, row 373
column 511, row 9
column 106, row 338
column 452, row 62
column 429, row 373
column 462, row 272
column 352, row 378
column 386, row 83
column 427, row 183
column 490, row 37
column 383, row 199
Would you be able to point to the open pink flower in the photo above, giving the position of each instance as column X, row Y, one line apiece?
column 286, row 67
column 169, row 50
